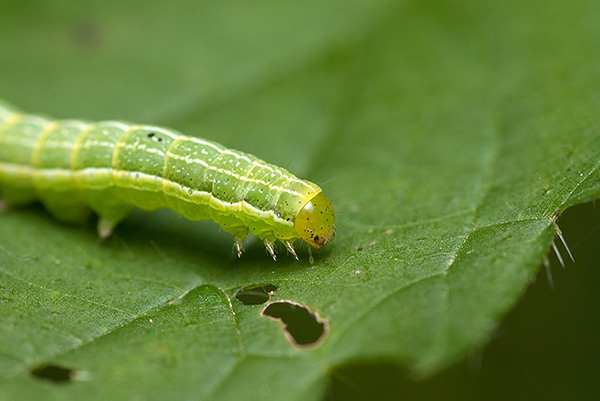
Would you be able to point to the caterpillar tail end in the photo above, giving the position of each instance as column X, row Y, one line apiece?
column 270, row 247
column 290, row 248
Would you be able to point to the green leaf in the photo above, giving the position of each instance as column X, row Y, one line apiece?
column 449, row 137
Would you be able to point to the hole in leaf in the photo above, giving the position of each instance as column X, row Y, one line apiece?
column 54, row 373
column 302, row 326
column 255, row 295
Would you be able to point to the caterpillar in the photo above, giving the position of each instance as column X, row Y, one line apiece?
column 111, row 167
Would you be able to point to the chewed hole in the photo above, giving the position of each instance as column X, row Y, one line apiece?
column 302, row 326
column 255, row 295
column 53, row 373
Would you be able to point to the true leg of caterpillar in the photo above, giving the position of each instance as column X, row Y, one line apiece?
column 291, row 249
column 238, row 247
column 270, row 246
column 234, row 227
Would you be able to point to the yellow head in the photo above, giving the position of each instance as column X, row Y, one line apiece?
column 314, row 222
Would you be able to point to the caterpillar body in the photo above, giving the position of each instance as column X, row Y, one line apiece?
column 110, row 167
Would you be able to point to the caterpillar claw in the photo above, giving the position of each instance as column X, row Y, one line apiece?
column 238, row 247
column 270, row 247
column 290, row 248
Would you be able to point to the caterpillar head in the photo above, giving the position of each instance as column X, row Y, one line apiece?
column 314, row 222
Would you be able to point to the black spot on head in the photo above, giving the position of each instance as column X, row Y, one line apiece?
column 316, row 238
column 151, row 134
column 159, row 139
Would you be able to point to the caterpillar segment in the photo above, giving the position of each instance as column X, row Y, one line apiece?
column 111, row 167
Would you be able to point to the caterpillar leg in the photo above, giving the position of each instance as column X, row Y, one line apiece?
column 106, row 226
column 238, row 247
column 109, row 218
column 290, row 248
column 235, row 227
column 107, row 204
column 270, row 246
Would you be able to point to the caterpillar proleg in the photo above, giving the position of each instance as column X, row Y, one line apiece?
column 110, row 167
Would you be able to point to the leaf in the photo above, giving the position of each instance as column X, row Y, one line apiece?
column 449, row 137
column 534, row 353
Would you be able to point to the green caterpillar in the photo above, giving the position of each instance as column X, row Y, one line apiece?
column 111, row 167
